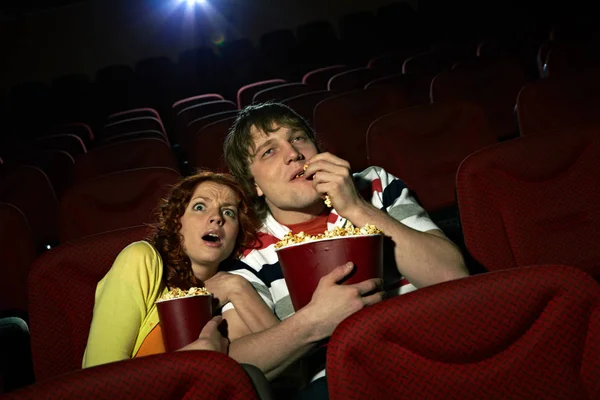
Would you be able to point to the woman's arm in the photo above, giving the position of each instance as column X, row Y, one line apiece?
column 122, row 303
column 251, row 313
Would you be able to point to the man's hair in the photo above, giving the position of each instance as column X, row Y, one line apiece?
column 239, row 147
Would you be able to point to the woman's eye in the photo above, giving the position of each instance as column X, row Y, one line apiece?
column 229, row 213
column 298, row 138
column 198, row 207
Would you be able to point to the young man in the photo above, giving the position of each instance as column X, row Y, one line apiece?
column 267, row 149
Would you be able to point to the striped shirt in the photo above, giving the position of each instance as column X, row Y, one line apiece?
column 260, row 266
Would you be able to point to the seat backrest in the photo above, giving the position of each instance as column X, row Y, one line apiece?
column 424, row 145
column 147, row 134
column 134, row 113
column 62, row 287
column 558, row 103
column 198, row 124
column 190, row 101
column 494, row 86
column 58, row 165
column 524, row 333
column 206, row 146
column 431, row 62
column 390, row 63
column 193, row 112
column 17, row 247
column 280, row 92
column 353, row 79
column 70, row 143
column 29, row 189
column 415, row 87
column 75, row 128
column 184, row 374
column 572, row 59
column 113, row 201
column 246, row 93
column 133, row 125
column 305, row 104
column 341, row 121
column 317, row 79
column 120, row 156
column 533, row 200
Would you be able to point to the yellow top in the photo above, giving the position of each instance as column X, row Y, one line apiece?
column 124, row 309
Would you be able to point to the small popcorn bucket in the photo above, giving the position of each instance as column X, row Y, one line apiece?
column 182, row 319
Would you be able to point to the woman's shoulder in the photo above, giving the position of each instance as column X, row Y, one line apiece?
column 138, row 255
column 141, row 248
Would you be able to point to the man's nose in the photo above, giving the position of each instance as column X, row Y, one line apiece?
column 292, row 154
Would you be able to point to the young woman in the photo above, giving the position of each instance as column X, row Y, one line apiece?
column 205, row 222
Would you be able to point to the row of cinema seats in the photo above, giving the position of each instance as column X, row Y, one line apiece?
column 117, row 183
column 543, row 56
column 528, row 210
column 157, row 82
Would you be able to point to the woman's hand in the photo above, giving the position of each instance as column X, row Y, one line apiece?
column 210, row 338
column 225, row 286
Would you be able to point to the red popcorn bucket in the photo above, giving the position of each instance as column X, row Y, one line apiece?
column 182, row 319
column 304, row 264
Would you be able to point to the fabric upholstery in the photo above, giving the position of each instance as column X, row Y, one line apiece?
column 558, row 103
column 179, row 375
column 246, row 93
column 120, row 156
column 525, row 333
column 341, row 121
column 318, row 78
column 113, row 201
column 280, row 92
column 532, row 201
column 62, row 284
column 29, row 189
column 17, row 247
column 206, row 146
column 424, row 145
column 493, row 86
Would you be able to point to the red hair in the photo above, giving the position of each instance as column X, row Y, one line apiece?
column 168, row 241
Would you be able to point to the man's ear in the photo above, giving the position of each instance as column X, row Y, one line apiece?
column 259, row 192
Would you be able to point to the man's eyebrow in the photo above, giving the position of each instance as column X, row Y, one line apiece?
column 264, row 144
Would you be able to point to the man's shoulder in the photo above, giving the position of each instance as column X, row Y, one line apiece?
column 374, row 179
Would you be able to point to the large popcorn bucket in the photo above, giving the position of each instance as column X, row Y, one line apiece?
column 182, row 319
column 304, row 264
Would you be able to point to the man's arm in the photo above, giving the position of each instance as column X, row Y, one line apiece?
column 274, row 349
column 424, row 258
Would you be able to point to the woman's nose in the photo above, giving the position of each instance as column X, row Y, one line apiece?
column 216, row 218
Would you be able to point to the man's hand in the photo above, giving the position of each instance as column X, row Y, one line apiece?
column 332, row 303
column 210, row 338
column 332, row 176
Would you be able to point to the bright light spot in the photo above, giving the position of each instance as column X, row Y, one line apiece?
column 48, row 247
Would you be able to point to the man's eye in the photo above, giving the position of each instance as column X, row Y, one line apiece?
column 266, row 153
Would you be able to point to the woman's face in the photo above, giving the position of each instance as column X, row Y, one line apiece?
column 210, row 227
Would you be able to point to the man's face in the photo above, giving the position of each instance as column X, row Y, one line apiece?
column 278, row 158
